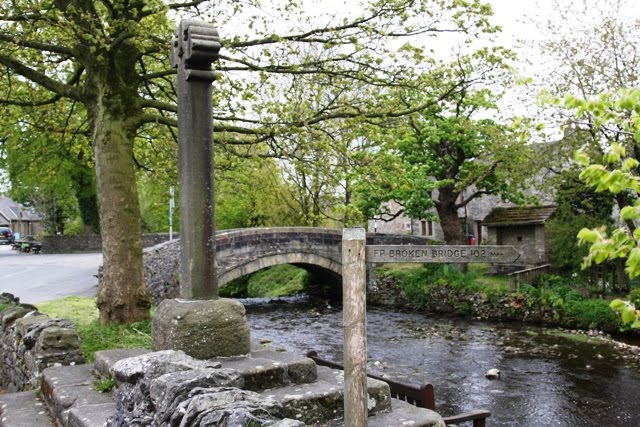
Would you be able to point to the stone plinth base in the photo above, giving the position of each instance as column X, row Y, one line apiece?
column 203, row 329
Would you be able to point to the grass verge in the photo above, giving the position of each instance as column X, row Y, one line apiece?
column 83, row 312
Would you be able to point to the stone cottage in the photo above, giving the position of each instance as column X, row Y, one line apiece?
column 20, row 219
column 471, row 220
column 522, row 228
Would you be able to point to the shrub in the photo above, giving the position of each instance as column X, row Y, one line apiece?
column 4, row 306
column 529, row 290
column 634, row 297
column 493, row 295
column 236, row 288
column 413, row 283
column 551, row 281
column 573, row 296
column 463, row 308
column 590, row 314
column 279, row 280
column 416, row 282
column 276, row 281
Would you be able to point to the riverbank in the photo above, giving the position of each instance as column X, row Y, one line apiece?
column 552, row 303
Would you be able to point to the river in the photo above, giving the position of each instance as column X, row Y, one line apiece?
column 548, row 378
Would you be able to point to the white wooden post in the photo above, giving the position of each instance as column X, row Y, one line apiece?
column 355, row 328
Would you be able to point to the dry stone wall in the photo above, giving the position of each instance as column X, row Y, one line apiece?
column 90, row 243
column 31, row 342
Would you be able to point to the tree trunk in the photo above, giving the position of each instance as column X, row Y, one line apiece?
column 449, row 221
column 87, row 197
column 122, row 295
column 622, row 280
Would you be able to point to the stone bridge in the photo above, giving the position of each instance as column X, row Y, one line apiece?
column 317, row 250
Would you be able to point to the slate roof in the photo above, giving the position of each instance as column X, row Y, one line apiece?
column 12, row 211
column 505, row 217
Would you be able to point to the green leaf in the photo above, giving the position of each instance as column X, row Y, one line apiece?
column 628, row 212
column 587, row 235
column 628, row 315
column 629, row 164
column 581, row 158
column 633, row 263
column 617, row 304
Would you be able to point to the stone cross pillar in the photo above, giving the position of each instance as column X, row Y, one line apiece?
column 199, row 323
column 195, row 47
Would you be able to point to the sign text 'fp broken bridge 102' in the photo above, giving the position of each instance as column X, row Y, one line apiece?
column 442, row 254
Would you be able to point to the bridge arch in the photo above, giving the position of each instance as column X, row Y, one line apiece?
column 311, row 262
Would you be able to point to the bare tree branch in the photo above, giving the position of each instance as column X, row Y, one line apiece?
column 39, row 46
column 42, row 79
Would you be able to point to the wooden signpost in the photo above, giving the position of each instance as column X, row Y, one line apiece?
column 354, row 312
column 355, row 255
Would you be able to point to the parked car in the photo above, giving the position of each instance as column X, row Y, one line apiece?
column 6, row 236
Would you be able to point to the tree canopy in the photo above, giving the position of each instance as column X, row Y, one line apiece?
column 106, row 63
column 444, row 156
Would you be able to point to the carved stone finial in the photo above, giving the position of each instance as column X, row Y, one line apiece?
column 196, row 45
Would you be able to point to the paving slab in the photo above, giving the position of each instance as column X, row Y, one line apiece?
column 104, row 360
column 24, row 409
column 67, row 387
column 323, row 400
column 300, row 369
column 91, row 415
column 404, row 414
column 269, row 369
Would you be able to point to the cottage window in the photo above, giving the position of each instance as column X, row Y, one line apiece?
column 427, row 228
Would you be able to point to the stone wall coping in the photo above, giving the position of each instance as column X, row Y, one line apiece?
column 277, row 230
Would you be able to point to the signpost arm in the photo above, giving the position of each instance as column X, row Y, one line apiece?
column 355, row 329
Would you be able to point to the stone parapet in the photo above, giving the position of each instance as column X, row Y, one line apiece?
column 240, row 252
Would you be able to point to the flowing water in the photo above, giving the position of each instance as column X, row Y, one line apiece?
column 547, row 378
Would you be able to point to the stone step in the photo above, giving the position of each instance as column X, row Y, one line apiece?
column 24, row 409
column 263, row 369
column 323, row 401
column 267, row 369
column 91, row 415
column 105, row 359
column 405, row 414
column 311, row 394
column 67, row 388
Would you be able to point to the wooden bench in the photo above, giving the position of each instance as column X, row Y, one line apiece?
column 422, row 397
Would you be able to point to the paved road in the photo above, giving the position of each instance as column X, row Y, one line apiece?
column 41, row 277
